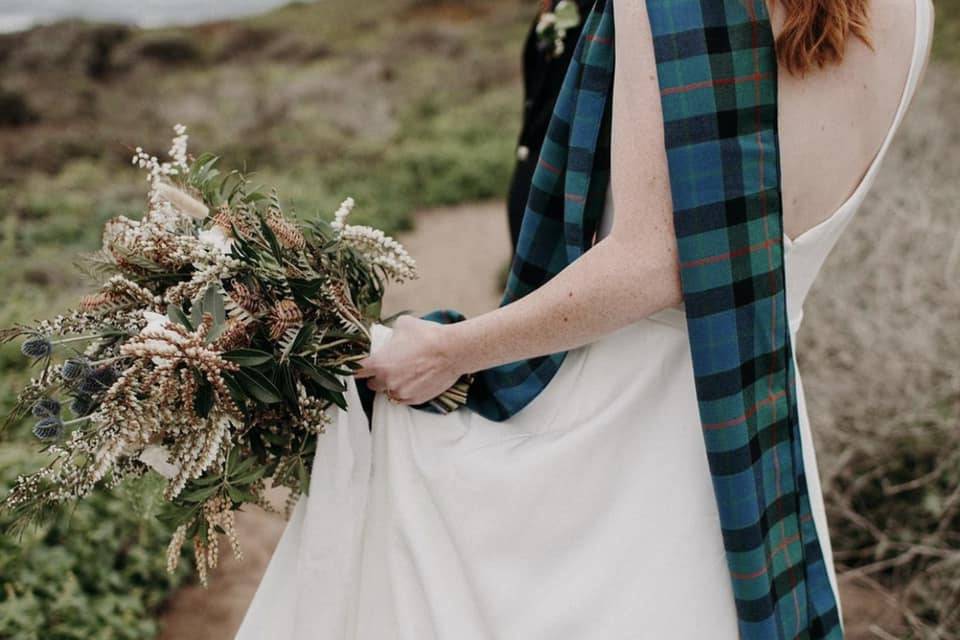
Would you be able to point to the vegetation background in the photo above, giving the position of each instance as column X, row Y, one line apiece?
column 413, row 104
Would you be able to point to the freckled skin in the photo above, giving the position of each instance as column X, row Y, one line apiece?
column 633, row 272
column 625, row 277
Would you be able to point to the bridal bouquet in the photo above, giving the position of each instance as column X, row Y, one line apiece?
column 210, row 353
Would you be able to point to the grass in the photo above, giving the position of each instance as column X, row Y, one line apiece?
column 946, row 42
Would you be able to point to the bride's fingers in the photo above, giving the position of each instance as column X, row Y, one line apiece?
column 377, row 384
column 364, row 372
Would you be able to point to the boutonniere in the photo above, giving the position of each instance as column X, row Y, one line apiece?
column 553, row 26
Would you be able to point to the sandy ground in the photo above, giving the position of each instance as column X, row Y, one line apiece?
column 456, row 249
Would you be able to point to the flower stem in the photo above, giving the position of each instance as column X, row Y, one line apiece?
column 82, row 338
column 68, row 423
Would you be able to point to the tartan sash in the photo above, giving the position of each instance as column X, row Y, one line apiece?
column 717, row 72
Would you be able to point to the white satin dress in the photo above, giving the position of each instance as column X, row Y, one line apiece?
column 590, row 515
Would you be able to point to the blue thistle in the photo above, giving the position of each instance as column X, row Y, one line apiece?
column 81, row 405
column 74, row 368
column 36, row 347
column 98, row 380
column 45, row 408
column 48, row 428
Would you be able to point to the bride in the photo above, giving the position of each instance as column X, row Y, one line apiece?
column 635, row 460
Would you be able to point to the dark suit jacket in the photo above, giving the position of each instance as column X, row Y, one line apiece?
column 542, row 79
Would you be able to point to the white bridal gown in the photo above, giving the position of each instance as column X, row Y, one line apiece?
column 590, row 515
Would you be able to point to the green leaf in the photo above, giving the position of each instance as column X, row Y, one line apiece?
column 288, row 387
column 303, row 477
column 199, row 495
column 271, row 239
column 243, row 466
column 318, row 375
column 241, row 496
column 304, row 336
column 176, row 314
column 373, row 309
column 255, row 196
column 248, row 357
column 233, row 457
column 251, row 476
column 258, row 386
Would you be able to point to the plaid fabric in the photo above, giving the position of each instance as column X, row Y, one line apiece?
column 717, row 72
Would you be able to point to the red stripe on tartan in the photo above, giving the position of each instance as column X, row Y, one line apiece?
column 595, row 38
column 766, row 244
column 573, row 197
column 759, row 572
column 751, row 411
column 549, row 167
column 753, row 77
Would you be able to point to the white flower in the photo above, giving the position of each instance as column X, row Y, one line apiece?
column 155, row 321
column 340, row 217
column 546, row 21
column 380, row 249
column 183, row 202
column 157, row 458
column 217, row 238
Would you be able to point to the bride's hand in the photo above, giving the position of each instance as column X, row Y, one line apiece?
column 414, row 366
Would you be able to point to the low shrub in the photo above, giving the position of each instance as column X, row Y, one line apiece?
column 15, row 111
column 99, row 571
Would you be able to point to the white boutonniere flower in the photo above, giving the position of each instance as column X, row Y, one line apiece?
column 553, row 26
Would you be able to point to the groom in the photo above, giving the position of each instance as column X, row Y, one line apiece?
column 543, row 73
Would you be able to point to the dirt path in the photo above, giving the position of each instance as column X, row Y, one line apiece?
column 461, row 253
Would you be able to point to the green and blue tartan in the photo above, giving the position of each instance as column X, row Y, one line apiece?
column 717, row 72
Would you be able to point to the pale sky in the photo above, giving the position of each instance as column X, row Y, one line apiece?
column 21, row 14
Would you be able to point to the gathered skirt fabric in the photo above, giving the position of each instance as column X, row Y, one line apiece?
column 588, row 515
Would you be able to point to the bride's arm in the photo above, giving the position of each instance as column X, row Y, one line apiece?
column 627, row 276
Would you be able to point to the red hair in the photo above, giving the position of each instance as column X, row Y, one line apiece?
column 815, row 32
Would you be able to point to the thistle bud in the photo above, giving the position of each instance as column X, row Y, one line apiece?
column 36, row 347
column 48, row 428
column 98, row 380
column 73, row 368
column 45, row 408
column 81, row 405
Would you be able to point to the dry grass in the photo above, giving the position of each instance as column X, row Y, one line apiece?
column 880, row 352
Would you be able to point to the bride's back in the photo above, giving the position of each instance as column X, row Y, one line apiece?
column 834, row 119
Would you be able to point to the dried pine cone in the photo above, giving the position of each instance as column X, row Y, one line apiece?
column 284, row 316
